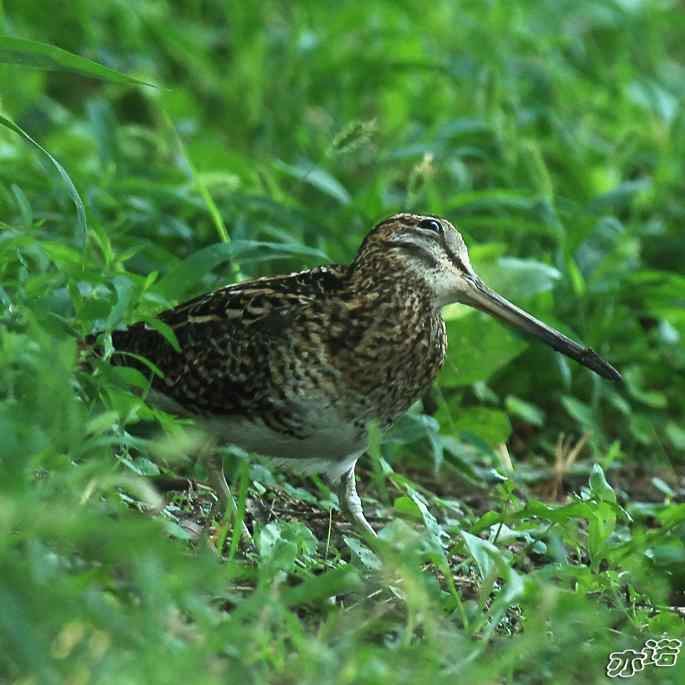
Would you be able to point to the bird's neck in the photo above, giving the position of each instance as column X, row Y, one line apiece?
column 386, row 338
column 387, row 282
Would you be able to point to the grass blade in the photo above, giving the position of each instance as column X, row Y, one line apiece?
column 31, row 53
column 71, row 188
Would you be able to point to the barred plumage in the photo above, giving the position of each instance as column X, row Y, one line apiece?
column 295, row 367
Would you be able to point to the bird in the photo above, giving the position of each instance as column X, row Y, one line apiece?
column 297, row 367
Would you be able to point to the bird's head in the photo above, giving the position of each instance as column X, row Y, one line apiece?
column 430, row 253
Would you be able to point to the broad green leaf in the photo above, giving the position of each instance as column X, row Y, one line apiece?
column 521, row 278
column 317, row 588
column 181, row 278
column 672, row 515
column 279, row 544
column 525, row 410
column 676, row 434
column 599, row 486
column 581, row 412
column 490, row 425
column 64, row 256
column 641, row 428
column 663, row 487
column 634, row 378
column 131, row 376
column 166, row 331
column 137, row 378
column 436, row 531
column 537, row 509
column 482, row 552
column 275, row 551
column 405, row 505
column 601, row 525
column 300, row 493
column 102, row 422
column 177, row 531
column 365, row 556
column 317, row 178
column 126, row 290
column 622, row 195
column 478, row 347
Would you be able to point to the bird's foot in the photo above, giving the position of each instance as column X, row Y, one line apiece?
column 351, row 505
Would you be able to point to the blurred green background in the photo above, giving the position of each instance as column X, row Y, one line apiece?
column 273, row 136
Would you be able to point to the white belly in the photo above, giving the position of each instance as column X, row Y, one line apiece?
column 332, row 444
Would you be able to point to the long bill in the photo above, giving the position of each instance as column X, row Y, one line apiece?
column 480, row 296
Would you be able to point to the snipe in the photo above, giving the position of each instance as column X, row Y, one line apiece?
column 295, row 367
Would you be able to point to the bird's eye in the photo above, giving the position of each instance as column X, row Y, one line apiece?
column 431, row 225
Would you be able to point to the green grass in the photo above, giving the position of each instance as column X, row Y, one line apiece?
column 274, row 135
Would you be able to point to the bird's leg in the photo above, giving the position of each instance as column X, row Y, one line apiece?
column 350, row 503
column 218, row 483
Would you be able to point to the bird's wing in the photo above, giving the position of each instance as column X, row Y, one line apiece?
column 226, row 338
